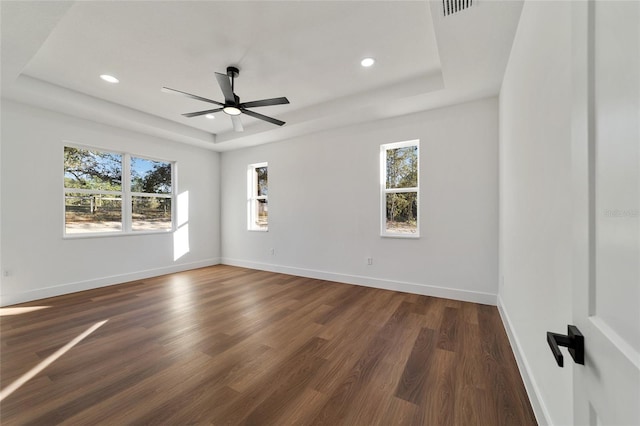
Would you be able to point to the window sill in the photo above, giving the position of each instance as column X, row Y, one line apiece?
column 401, row 236
column 114, row 234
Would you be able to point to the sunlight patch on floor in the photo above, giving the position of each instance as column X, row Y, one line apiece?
column 5, row 312
column 46, row 362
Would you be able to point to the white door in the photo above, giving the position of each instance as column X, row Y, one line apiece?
column 606, row 162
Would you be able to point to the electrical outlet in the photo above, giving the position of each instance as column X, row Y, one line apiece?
column 369, row 260
column 6, row 273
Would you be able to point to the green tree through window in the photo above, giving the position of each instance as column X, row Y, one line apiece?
column 257, row 197
column 150, row 191
column 88, row 169
column 399, row 166
column 96, row 201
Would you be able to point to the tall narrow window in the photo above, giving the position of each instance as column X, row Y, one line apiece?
column 258, row 188
column 107, row 192
column 399, row 194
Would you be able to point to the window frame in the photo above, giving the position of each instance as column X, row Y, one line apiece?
column 252, row 196
column 126, row 195
column 384, row 190
column 131, row 194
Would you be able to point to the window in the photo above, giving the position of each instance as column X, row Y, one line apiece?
column 150, row 195
column 96, row 200
column 257, row 210
column 399, row 177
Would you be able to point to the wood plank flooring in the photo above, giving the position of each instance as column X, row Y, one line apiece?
column 227, row 345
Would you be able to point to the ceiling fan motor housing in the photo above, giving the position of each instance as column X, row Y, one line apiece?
column 233, row 72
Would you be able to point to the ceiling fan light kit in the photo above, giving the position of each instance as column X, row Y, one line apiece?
column 109, row 78
column 367, row 62
column 232, row 105
column 231, row 110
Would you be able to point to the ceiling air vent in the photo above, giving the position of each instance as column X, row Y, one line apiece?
column 454, row 6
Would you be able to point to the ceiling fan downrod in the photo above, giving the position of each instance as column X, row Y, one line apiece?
column 233, row 72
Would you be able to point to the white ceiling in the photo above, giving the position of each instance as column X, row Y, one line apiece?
column 308, row 51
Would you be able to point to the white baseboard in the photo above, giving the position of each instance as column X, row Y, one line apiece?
column 533, row 391
column 407, row 287
column 57, row 290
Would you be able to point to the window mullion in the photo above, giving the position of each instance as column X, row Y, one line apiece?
column 90, row 191
column 149, row 194
column 400, row 190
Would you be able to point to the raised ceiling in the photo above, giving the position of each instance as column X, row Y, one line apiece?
column 308, row 51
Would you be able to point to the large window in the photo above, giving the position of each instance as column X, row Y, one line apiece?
column 258, row 187
column 107, row 192
column 399, row 177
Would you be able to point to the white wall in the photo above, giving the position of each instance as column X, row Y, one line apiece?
column 535, row 202
column 39, row 261
column 324, row 205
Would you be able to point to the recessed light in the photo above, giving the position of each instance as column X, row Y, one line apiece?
column 109, row 78
column 367, row 62
column 210, row 116
column 231, row 110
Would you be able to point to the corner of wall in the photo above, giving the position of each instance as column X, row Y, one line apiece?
column 385, row 284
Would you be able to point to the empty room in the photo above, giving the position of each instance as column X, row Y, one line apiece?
column 320, row 212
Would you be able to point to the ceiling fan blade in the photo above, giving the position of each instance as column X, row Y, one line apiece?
column 265, row 102
column 189, row 95
column 237, row 124
column 225, row 86
column 196, row 114
column 262, row 117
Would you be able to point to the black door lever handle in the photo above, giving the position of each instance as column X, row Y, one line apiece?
column 574, row 341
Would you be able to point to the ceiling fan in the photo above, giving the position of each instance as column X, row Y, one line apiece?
column 232, row 105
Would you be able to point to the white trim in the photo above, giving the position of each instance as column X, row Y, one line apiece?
column 126, row 194
column 531, row 386
column 406, row 287
column 252, row 196
column 127, row 208
column 408, row 236
column 91, row 191
column 115, row 233
column 400, row 190
column 174, row 196
column 57, row 290
column 403, row 144
column 384, row 191
column 150, row 195
column 616, row 340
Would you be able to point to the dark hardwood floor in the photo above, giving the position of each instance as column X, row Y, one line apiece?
column 227, row 345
